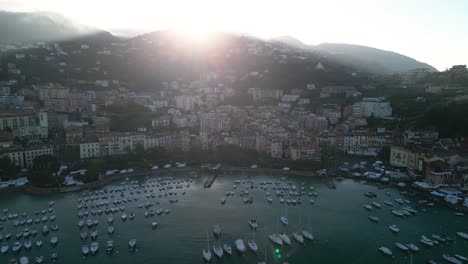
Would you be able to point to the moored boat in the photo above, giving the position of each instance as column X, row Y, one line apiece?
column 227, row 248
column 240, row 246
column 386, row 251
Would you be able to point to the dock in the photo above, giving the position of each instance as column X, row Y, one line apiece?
column 212, row 176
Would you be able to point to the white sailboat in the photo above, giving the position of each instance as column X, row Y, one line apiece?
column 276, row 239
column 298, row 237
column 207, row 252
column 218, row 251
column 285, row 238
column 227, row 248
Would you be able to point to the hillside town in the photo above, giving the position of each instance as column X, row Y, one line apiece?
column 87, row 119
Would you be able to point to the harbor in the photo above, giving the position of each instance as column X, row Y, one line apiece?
column 172, row 212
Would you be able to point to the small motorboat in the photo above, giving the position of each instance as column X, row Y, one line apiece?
column 54, row 256
column 413, row 247
column 397, row 213
column 386, row 251
column 110, row 230
column 132, row 244
column 45, row 230
column 451, row 259
column 394, row 228
column 4, row 249
column 24, row 260
column 39, row 259
column 154, row 225
column 460, row 257
column 206, row 255
column 85, row 250
column 54, row 241
column 462, row 235
column 94, row 234
column 374, row 219
column 110, row 246
column 368, row 206
column 240, row 245
column 84, row 235
column 426, row 242
column 252, row 245
column 253, row 223
column 39, row 243
column 227, row 248
column 284, row 220
column 28, row 245
column 402, row 247
column 17, row 246
column 94, row 247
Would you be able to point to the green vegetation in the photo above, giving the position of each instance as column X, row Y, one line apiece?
column 128, row 117
column 42, row 172
column 449, row 120
column 8, row 170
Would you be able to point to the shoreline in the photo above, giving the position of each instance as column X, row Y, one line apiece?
column 106, row 180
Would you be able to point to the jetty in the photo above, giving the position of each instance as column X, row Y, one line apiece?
column 212, row 175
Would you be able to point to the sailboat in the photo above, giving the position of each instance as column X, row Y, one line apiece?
column 227, row 248
column 207, row 252
column 298, row 237
column 252, row 245
column 307, row 234
column 218, row 251
column 265, row 261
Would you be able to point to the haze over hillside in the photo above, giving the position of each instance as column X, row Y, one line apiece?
column 364, row 58
column 38, row 26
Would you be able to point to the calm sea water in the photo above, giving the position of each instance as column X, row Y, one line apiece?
column 340, row 224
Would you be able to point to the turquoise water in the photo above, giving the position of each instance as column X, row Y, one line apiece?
column 340, row 224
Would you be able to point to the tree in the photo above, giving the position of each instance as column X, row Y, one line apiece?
column 42, row 171
column 8, row 170
column 384, row 153
column 93, row 171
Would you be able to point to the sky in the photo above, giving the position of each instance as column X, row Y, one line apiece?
column 431, row 31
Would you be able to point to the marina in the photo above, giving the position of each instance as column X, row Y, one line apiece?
column 157, row 217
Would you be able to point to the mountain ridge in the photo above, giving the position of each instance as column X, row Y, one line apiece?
column 363, row 57
column 29, row 27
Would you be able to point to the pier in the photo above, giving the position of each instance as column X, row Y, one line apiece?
column 212, row 176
